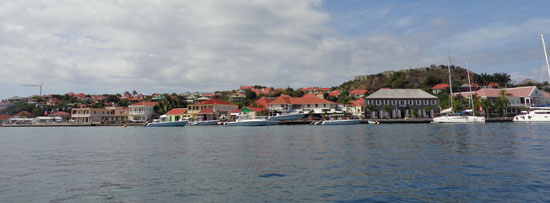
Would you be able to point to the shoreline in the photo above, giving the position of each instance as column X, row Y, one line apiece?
column 298, row 122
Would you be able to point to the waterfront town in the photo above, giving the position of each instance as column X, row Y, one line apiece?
column 392, row 102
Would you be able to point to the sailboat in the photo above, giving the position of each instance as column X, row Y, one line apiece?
column 537, row 114
column 447, row 114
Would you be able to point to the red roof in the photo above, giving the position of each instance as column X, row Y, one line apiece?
column 177, row 111
column 59, row 113
column 325, row 89
column 206, row 111
column 209, row 95
column 70, row 94
column 358, row 92
column 235, row 111
column 306, row 99
column 283, row 99
column 545, row 94
column 145, row 104
column 80, row 95
column 493, row 84
column 359, row 102
column 475, row 85
column 514, row 92
column 334, row 93
column 441, row 86
column 4, row 117
column 262, row 102
column 247, row 87
column 217, row 101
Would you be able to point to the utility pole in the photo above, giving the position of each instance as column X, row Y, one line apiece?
column 36, row 86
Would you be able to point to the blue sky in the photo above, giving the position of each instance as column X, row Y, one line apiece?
column 180, row 46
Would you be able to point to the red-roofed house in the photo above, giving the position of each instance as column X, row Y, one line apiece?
column 209, row 95
column 466, row 87
column 177, row 114
column 307, row 103
column 4, row 118
column 517, row 96
column 262, row 103
column 61, row 114
column 325, row 89
column 141, row 111
column 358, row 93
column 206, row 114
column 220, row 107
column 440, row 88
column 334, row 94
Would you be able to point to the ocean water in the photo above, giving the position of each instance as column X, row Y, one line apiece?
column 390, row 162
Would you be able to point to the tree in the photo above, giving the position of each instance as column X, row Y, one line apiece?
column 134, row 92
column 414, row 113
column 502, row 103
column 428, row 110
column 249, row 94
column 369, row 109
column 386, row 108
column 297, row 93
column 487, row 106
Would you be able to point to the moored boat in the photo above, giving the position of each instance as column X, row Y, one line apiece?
column 163, row 122
column 534, row 115
column 245, row 121
column 205, row 122
column 339, row 119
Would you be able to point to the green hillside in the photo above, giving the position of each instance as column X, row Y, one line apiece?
column 422, row 78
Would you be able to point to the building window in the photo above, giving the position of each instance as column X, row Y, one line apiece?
column 316, row 105
column 393, row 102
column 433, row 102
column 418, row 102
column 378, row 102
column 425, row 102
column 385, row 102
column 410, row 102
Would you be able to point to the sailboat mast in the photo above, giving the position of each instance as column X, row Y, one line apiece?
column 470, row 84
column 450, row 83
column 545, row 54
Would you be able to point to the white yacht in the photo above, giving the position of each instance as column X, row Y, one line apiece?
column 339, row 119
column 164, row 122
column 245, row 121
column 534, row 115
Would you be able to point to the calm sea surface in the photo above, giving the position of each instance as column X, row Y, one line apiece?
column 390, row 162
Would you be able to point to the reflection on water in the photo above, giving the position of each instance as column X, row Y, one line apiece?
column 392, row 162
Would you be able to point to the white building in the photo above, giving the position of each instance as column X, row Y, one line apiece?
column 141, row 112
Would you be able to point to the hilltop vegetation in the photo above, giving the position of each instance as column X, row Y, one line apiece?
column 422, row 78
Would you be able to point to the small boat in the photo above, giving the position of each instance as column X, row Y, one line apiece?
column 163, row 122
column 287, row 117
column 338, row 119
column 371, row 122
column 536, row 114
column 245, row 121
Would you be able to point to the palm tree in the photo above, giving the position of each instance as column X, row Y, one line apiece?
column 502, row 102
column 428, row 110
column 386, row 109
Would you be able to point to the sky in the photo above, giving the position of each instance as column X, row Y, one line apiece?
column 112, row 46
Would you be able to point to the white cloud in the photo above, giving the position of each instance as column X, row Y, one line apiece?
column 177, row 46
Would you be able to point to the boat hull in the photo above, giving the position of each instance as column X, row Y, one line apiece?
column 252, row 123
column 288, row 117
column 459, row 119
column 534, row 118
column 168, row 124
column 342, row 122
